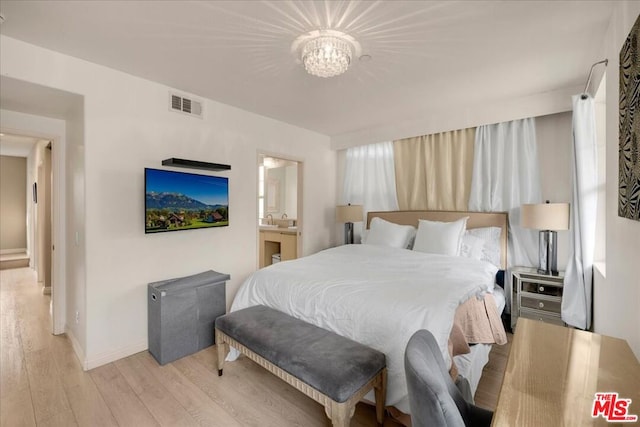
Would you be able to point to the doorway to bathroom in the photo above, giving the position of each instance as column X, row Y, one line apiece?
column 279, row 209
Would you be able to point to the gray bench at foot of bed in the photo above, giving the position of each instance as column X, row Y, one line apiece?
column 333, row 370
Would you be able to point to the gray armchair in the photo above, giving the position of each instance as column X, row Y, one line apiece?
column 434, row 399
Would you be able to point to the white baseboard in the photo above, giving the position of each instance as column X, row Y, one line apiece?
column 112, row 356
column 13, row 251
column 76, row 348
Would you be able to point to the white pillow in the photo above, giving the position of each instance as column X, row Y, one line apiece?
column 385, row 233
column 471, row 246
column 491, row 243
column 440, row 237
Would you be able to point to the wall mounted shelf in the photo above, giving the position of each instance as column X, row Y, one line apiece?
column 195, row 164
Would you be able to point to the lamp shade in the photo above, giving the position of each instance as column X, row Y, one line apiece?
column 349, row 213
column 545, row 216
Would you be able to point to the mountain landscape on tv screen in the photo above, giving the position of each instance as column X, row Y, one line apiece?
column 175, row 201
column 175, row 211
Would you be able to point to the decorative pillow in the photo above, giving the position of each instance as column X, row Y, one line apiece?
column 385, row 233
column 471, row 246
column 440, row 237
column 491, row 247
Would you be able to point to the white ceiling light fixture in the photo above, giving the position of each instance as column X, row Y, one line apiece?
column 326, row 53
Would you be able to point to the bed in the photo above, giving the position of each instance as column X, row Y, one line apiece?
column 380, row 295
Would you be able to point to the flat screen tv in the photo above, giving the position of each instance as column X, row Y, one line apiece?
column 182, row 201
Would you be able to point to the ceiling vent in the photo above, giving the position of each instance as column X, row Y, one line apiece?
column 185, row 105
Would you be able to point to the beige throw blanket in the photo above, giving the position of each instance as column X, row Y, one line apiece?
column 479, row 321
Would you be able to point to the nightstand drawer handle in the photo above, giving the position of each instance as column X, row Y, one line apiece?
column 541, row 289
column 541, row 304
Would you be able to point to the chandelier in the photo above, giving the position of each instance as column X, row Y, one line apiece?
column 326, row 53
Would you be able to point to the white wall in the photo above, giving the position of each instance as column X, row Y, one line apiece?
column 33, row 160
column 41, row 255
column 13, row 204
column 600, row 108
column 74, row 208
column 617, row 296
column 553, row 134
column 127, row 126
column 462, row 117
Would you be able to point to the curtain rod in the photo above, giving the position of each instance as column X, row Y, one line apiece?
column 605, row 62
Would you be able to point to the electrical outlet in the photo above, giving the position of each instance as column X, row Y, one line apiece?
column 77, row 317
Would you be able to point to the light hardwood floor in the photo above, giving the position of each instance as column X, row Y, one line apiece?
column 42, row 383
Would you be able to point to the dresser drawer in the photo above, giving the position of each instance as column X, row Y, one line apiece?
column 543, row 289
column 548, row 304
column 541, row 316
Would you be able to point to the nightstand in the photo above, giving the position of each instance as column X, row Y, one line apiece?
column 536, row 296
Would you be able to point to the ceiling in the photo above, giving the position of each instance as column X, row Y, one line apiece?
column 425, row 55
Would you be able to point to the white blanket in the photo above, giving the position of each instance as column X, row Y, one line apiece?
column 375, row 295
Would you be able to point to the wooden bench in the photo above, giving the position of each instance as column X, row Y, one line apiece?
column 333, row 370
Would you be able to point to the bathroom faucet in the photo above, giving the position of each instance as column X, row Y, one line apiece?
column 284, row 216
column 269, row 219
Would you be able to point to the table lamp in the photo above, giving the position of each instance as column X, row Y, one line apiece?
column 349, row 214
column 548, row 218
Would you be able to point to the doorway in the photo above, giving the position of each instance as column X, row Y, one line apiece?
column 279, row 216
column 37, row 220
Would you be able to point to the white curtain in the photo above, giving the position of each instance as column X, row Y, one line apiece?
column 505, row 176
column 576, row 299
column 370, row 178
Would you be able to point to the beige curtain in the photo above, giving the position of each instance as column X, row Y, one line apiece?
column 433, row 172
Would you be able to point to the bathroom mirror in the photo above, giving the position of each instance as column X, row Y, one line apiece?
column 277, row 190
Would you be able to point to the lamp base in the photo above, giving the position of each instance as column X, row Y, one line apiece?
column 348, row 233
column 548, row 273
column 548, row 252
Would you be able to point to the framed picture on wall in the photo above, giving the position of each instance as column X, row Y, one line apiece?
column 629, row 144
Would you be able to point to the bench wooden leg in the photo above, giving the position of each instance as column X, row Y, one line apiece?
column 340, row 414
column 221, row 346
column 381, row 394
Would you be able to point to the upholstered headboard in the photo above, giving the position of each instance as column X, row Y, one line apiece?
column 476, row 220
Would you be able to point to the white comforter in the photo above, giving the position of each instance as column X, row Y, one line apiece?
column 375, row 295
